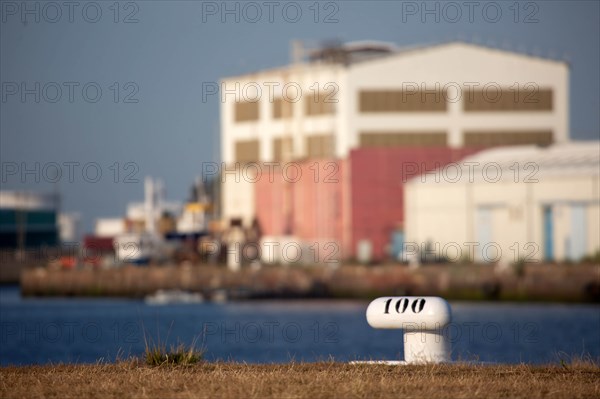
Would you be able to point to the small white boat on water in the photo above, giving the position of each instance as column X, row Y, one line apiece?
column 138, row 248
column 167, row 297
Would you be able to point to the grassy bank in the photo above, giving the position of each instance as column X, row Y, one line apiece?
column 297, row 380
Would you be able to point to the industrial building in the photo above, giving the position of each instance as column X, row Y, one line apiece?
column 509, row 204
column 359, row 201
column 28, row 220
column 352, row 106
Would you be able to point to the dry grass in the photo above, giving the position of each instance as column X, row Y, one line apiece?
column 300, row 380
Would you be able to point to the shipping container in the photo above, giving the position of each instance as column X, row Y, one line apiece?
column 377, row 190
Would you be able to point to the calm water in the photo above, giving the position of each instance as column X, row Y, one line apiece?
column 68, row 330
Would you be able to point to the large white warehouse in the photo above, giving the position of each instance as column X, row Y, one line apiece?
column 509, row 203
column 372, row 94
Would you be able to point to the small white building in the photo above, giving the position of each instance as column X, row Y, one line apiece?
column 68, row 226
column 369, row 94
column 109, row 227
column 509, row 203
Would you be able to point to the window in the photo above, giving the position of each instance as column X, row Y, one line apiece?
column 246, row 111
column 319, row 105
column 282, row 108
column 320, row 146
column 399, row 101
column 283, row 147
column 488, row 139
column 405, row 139
column 507, row 99
column 247, row 151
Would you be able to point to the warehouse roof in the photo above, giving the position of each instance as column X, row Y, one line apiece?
column 345, row 54
column 577, row 158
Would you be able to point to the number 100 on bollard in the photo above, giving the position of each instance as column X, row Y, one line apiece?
column 422, row 320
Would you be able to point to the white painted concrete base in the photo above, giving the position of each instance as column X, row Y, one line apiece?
column 385, row 362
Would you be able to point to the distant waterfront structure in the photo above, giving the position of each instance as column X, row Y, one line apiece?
column 141, row 235
column 509, row 204
column 28, row 220
column 338, row 105
column 69, row 226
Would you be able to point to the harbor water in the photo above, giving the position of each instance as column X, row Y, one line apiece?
column 41, row 331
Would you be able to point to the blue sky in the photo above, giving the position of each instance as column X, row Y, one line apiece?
column 153, row 120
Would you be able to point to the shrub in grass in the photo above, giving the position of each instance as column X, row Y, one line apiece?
column 176, row 355
column 156, row 354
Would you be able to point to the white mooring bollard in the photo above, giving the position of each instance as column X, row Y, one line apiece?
column 422, row 319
